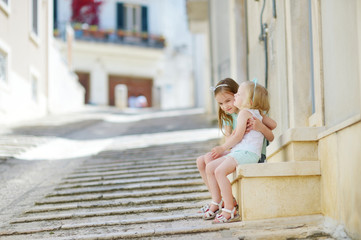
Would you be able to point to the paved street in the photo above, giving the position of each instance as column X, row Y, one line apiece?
column 118, row 175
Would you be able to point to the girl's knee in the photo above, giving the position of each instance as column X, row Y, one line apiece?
column 209, row 169
column 200, row 162
column 219, row 172
column 208, row 158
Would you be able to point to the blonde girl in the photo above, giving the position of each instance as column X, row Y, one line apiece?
column 251, row 99
column 227, row 121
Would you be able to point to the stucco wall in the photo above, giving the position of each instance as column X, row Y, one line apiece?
column 26, row 59
column 340, row 156
column 336, row 143
column 341, row 60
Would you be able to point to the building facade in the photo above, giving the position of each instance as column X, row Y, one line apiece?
column 34, row 78
column 143, row 44
column 307, row 53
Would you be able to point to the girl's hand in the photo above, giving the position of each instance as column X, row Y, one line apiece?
column 253, row 123
column 216, row 152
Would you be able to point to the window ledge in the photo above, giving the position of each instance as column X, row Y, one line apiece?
column 306, row 134
column 5, row 8
column 352, row 120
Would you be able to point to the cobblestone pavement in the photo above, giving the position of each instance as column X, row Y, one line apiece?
column 151, row 192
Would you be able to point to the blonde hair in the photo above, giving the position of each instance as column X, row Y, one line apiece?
column 227, row 85
column 259, row 100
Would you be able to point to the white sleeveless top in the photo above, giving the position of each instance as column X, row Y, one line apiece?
column 252, row 141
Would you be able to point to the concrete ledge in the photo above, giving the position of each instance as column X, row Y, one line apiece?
column 279, row 169
column 309, row 134
column 273, row 190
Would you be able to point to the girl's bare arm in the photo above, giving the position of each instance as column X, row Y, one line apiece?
column 227, row 131
column 269, row 122
column 235, row 138
column 255, row 124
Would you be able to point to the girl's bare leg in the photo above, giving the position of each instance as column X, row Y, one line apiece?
column 202, row 161
column 212, row 181
column 222, row 170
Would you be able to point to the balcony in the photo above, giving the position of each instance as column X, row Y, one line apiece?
column 123, row 37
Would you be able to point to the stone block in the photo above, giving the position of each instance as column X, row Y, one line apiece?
column 274, row 190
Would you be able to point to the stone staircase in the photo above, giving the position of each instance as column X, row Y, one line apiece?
column 140, row 193
column 147, row 193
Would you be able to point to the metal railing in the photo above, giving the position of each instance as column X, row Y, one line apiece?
column 92, row 33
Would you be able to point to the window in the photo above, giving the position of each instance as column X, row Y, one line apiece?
column 132, row 20
column 132, row 17
column 3, row 67
column 34, row 18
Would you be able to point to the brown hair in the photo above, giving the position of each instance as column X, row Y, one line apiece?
column 260, row 100
column 230, row 86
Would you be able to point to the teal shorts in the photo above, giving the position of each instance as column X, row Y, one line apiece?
column 244, row 157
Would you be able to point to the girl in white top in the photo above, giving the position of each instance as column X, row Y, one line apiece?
column 224, row 93
column 251, row 100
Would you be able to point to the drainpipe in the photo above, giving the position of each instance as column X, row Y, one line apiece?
column 211, row 52
column 247, row 43
column 263, row 37
column 48, row 31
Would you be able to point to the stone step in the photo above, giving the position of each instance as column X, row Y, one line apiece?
column 135, row 162
column 135, row 171
column 66, row 185
column 152, row 185
column 131, row 231
column 121, row 203
column 104, row 182
column 90, row 224
column 168, row 148
column 136, row 175
column 81, row 213
column 99, row 219
column 122, row 194
column 305, row 227
column 283, row 189
column 135, row 166
column 131, row 176
column 127, row 158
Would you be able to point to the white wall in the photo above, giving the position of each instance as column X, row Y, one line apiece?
column 65, row 92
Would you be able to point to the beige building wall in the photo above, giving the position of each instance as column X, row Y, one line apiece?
column 26, row 54
column 37, row 78
column 314, row 83
column 324, row 123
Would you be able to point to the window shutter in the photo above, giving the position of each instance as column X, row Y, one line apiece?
column 120, row 16
column 144, row 19
column 55, row 14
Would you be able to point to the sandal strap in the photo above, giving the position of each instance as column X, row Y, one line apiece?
column 221, row 218
column 217, row 204
column 230, row 211
column 226, row 210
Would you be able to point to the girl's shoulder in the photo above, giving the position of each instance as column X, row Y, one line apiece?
column 254, row 112
column 244, row 112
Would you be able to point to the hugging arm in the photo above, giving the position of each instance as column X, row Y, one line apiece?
column 269, row 122
column 265, row 127
column 236, row 137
